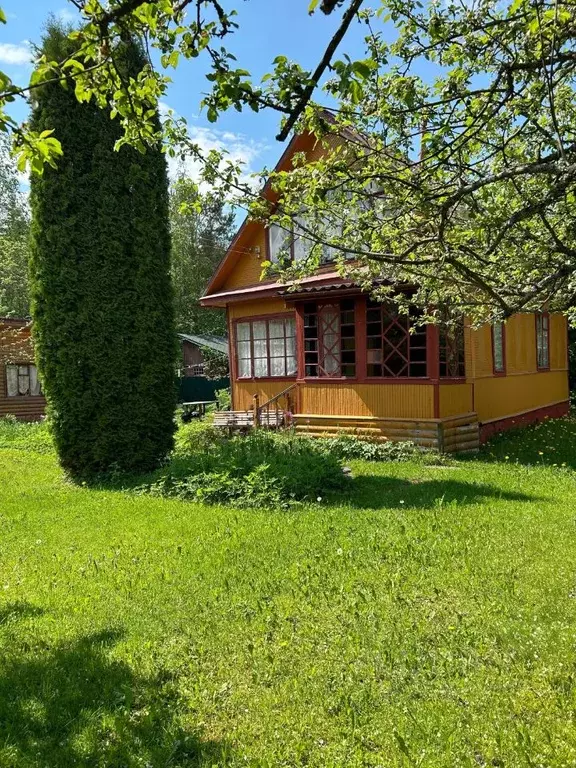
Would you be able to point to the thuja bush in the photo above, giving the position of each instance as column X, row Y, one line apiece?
column 259, row 469
column 100, row 284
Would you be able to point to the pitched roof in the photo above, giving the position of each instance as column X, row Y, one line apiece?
column 216, row 343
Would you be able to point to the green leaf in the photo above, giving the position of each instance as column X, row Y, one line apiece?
column 312, row 6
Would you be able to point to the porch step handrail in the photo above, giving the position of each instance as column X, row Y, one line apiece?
column 277, row 397
column 273, row 405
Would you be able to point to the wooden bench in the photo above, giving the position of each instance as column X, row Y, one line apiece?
column 241, row 420
column 244, row 420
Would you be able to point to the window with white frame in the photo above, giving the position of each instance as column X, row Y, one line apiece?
column 543, row 340
column 266, row 347
column 22, row 380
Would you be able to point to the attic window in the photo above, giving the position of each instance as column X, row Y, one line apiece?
column 279, row 243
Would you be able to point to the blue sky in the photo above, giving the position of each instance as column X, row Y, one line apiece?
column 267, row 28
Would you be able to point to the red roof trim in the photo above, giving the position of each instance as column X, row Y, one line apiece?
column 266, row 289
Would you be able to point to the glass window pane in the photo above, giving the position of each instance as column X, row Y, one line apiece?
column 12, row 380
column 244, row 350
column 260, row 367
column 260, row 348
column 243, row 331
column 279, row 242
column 244, row 368
column 35, row 388
column 497, row 335
column 277, row 366
column 259, row 329
column 290, row 365
column 277, row 347
column 302, row 244
column 23, row 380
column 276, row 329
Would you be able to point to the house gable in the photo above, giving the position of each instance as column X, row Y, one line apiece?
column 242, row 263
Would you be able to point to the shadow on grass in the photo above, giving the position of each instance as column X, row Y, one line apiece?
column 75, row 705
column 18, row 610
column 552, row 442
column 376, row 492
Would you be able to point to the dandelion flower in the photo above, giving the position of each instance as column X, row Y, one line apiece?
column 319, row 498
column 401, row 501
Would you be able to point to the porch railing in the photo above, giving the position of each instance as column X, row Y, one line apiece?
column 277, row 411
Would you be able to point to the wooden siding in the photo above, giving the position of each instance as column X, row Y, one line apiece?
column 521, row 344
column 248, row 268
column 481, row 352
column 414, row 401
column 455, row 399
column 496, row 398
column 244, row 391
column 261, row 307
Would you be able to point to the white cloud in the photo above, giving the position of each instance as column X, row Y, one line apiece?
column 67, row 16
column 20, row 55
column 237, row 147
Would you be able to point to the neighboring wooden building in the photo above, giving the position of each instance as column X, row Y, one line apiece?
column 193, row 346
column 351, row 364
column 20, row 390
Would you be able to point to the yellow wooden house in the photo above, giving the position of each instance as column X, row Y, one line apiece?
column 328, row 358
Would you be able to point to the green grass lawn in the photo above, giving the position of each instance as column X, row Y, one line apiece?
column 426, row 618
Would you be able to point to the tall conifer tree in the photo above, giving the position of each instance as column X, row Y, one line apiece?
column 100, row 284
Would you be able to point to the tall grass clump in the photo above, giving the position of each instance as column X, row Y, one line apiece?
column 258, row 469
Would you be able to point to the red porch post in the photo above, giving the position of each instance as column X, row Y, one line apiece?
column 433, row 363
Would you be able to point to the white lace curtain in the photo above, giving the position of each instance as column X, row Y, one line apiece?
column 22, row 380
column 266, row 348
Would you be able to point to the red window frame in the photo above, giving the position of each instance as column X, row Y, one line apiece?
column 411, row 348
column 495, row 370
column 264, row 318
column 315, row 352
column 540, row 319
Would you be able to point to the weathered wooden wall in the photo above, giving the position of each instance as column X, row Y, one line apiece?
column 16, row 347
